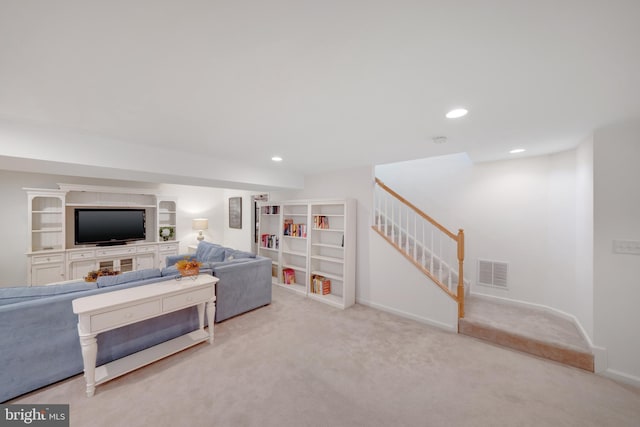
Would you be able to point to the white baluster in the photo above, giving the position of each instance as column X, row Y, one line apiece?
column 415, row 236
column 393, row 220
column 423, row 243
column 431, row 252
column 406, row 233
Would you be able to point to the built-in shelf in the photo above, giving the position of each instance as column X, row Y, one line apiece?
column 294, row 267
column 51, row 225
column 325, row 245
column 294, row 253
column 328, row 258
column 327, row 275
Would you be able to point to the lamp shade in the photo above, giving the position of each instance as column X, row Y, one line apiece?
column 200, row 224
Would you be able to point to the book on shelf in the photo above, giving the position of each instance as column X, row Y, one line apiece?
column 269, row 241
column 294, row 230
column 288, row 276
column 270, row 210
column 321, row 222
column 320, row 285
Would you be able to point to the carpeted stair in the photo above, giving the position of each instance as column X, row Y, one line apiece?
column 531, row 330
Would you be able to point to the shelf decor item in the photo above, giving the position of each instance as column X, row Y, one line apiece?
column 92, row 276
column 188, row 267
column 167, row 233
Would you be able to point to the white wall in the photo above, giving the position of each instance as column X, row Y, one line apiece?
column 234, row 237
column 192, row 202
column 197, row 202
column 617, row 276
column 397, row 286
column 584, row 235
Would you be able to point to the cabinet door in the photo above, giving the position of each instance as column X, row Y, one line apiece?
column 79, row 269
column 47, row 273
column 145, row 261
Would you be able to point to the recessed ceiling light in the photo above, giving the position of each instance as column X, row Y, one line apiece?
column 276, row 158
column 517, row 150
column 458, row 112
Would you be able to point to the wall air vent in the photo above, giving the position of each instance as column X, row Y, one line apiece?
column 493, row 273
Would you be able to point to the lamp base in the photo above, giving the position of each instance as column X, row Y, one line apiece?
column 200, row 237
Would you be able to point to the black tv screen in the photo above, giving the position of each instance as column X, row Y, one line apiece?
column 109, row 226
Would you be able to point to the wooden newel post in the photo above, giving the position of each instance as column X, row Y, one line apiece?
column 460, row 273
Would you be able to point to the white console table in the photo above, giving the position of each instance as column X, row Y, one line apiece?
column 111, row 310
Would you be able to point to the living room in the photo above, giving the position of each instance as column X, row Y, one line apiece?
column 54, row 129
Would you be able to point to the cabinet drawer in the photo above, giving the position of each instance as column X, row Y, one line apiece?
column 124, row 316
column 187, row 299
column 73, row 256
column 169, row 247
column 45, row 259
column 145, row 249
column 115, row 251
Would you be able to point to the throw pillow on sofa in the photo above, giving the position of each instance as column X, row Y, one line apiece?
column 209, row 252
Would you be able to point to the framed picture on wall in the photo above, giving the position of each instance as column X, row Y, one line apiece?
column 235, row 212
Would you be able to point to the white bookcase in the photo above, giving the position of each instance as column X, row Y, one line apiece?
column 53, row 256
column 314, row 238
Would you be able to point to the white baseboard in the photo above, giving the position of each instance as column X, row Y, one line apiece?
column 407, row 315
column 622, row 377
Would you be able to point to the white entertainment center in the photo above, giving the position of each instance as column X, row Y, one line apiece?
column 52, row 253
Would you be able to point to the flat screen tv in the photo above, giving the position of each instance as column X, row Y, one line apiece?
column 109, row 226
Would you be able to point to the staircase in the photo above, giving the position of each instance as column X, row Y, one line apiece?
column 434, row 250
column 439, row 254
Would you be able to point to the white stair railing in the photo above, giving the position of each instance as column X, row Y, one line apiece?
column 436, row 251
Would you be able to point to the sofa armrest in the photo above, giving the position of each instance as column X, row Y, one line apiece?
column 243, row 286
column 172, row 259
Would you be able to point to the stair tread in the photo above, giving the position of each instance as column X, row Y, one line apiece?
column 529, row 322
column 571, row 357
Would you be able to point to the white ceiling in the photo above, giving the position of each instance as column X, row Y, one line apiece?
column 324, row 84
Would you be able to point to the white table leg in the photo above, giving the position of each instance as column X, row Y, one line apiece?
column 211, row 318
column 89, row 346
column 201, row 316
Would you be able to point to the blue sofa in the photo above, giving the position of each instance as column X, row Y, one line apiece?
column 39, row 342
column 245, row 279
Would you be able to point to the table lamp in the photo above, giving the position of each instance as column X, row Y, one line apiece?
column 200, row 224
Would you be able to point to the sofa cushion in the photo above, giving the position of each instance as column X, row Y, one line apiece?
column 25, row 293
column 209, row 252
column 130, row 276
column 231, row 254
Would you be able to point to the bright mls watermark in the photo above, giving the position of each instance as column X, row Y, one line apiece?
column 34, row 415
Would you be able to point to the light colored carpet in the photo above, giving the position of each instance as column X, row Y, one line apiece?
column 299, row 362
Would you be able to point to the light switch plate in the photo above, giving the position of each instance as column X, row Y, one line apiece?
column 626, row 247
